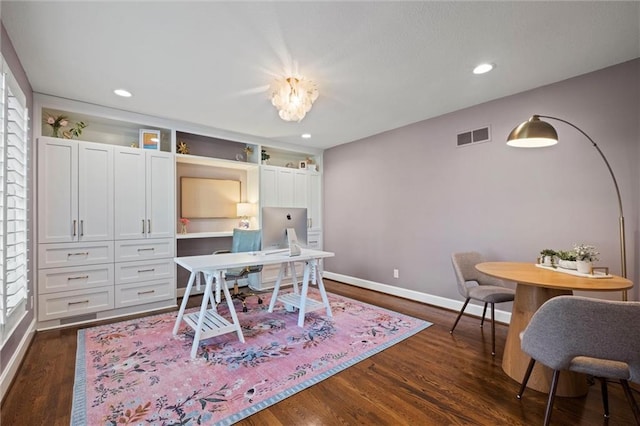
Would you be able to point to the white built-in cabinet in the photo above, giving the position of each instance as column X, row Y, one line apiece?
column 144, row 194
column 287, row 187
column 75, row 182
column 105, row 230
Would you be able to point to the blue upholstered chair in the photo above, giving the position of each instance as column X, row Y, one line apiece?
column 244, row 240
column 472, row 284
column 591, row 336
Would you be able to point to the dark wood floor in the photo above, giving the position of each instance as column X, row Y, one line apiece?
column 432, row 378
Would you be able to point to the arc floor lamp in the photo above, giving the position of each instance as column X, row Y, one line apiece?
column 535, row 133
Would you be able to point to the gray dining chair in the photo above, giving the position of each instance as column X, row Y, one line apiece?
column 474, row 285
column 591, row 336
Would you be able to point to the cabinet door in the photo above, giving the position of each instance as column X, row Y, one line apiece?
column 300, row 189
column 129, row 194
column 95, row 192
column 314, row 201
column 286, row 188
column 57, row 190
column 268, row 186
column 160, row 194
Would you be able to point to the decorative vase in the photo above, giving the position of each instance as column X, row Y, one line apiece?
column 584, row 266
column 567, row 264
column 183, row 229
column 548, row 260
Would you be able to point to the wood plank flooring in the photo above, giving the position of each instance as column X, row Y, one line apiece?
column 432, row 378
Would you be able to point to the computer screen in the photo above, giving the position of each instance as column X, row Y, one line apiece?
column 276, row 220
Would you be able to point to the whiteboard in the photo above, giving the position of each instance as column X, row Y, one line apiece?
column 208, row 198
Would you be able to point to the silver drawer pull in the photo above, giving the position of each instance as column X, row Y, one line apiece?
column 146, row 292
column 77, row 303
column 146, row 249
column 146, row 270
column 84, row 277
column 86, row 253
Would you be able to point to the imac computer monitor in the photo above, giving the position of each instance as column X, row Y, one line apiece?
column 276, row 220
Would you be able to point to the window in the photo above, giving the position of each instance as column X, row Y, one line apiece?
column 13, row 203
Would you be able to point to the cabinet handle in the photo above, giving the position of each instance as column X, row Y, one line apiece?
column 146, row 270
column 146, row 292
column 146, row 249
column 77, row 303
column 84, row 277
column 74, row 227
column 82, row 228
column 148, row 226
column 143, row 226
column 86, row 253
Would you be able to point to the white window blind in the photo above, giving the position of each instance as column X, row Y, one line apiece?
column 13, row 200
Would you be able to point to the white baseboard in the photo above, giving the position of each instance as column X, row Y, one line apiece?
column 442, row 302
column 16, row 359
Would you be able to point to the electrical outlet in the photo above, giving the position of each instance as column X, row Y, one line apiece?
column 396, row 273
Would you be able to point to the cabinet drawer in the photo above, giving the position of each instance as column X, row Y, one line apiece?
column 74, row 254
column 76, row 302
column 132, row 272
column 132, row 250
column 74, row 278
column 147, row 292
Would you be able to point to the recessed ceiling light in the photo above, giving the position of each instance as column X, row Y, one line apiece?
column 123, row 93
column 305, row 135
column 483, row 68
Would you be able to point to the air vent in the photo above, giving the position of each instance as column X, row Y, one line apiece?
column 470, row 137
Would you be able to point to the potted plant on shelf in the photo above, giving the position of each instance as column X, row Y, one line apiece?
column 548, row 257
column 585, row 256
column 567, row 259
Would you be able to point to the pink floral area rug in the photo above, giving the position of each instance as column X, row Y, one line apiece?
column 138, row 372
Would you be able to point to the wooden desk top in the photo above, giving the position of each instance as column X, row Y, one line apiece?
column 528, row 273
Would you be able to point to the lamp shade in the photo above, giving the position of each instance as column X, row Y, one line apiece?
column 533, row 133
column 245, row 209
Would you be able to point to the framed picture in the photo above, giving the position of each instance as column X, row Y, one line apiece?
column 302, row 165
column 150, row 139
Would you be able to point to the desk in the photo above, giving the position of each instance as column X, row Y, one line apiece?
column 207, row 323
column 534, row 287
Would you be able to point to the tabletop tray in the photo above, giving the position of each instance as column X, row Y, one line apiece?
column 596, row 274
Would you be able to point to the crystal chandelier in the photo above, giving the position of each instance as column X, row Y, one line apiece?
column 293, row 97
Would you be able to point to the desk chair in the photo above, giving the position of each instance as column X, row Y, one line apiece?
column 591, row 336
column 472, row 284
column 244, row 240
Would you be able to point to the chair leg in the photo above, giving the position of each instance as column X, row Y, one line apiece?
column 493, row 329
column 552, row 395
column 605, row 396
column 484, row 312
column 527, row 374
column 631, row 399
column 466, row 302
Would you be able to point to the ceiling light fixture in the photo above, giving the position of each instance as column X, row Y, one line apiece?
column 306, row 136
column 483, row 68
column 293, row 97
column 123, row 93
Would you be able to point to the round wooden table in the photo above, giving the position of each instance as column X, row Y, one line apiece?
column 535, row 286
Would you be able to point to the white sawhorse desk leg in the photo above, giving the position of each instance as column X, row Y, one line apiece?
column 310, row 274
column 183, row 305
column 317, row 279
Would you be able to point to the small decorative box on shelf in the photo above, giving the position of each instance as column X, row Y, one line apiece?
column 596, row 273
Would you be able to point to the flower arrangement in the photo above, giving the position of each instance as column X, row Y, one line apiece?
column 184, row 221
column 585, row 252
column 60, row 122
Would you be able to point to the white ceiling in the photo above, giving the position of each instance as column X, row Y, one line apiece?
column 378, row 65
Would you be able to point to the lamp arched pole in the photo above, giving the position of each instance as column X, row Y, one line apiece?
column 623, row 250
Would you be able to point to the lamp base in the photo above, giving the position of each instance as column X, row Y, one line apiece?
column 244, row 224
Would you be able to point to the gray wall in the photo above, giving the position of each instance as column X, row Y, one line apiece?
column 409, row 197
column 12, row 60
